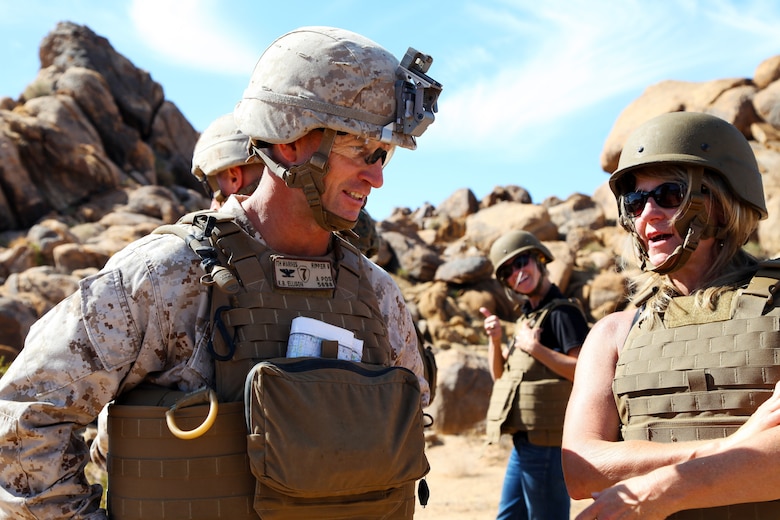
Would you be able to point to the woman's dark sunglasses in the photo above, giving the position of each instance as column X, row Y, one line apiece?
column 506, row 270
column 667, row 195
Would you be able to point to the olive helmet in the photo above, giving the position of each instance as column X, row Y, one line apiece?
column 219, row 147
column 514, row 243
column 690, row 139
column 339, row 81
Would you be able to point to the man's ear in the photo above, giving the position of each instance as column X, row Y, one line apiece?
column 288, row 151
column 235, row 175
column 301, row 149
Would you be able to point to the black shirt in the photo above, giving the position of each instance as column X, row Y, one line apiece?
column 564, row 328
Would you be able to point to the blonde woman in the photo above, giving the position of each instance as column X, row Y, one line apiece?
column 669, row 384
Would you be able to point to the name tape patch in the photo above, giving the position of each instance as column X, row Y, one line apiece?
column 299, row 273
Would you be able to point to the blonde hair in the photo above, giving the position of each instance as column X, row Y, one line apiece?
column 736, row 222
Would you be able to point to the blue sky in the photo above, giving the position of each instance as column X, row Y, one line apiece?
column 531, row 87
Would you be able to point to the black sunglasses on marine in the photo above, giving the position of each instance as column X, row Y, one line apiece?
column 518, row 262
column 667, row 195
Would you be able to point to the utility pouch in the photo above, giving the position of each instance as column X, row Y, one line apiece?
column 330, row 438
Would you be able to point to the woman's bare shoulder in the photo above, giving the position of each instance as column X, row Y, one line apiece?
column 613, row 327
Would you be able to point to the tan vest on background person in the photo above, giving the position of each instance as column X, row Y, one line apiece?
column 156, row 476
column 701, row 373
column 529, row 396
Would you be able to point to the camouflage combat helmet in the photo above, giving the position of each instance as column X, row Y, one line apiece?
column 515, row 243
column 332, row 79
column 219, row 147
column 690, row 139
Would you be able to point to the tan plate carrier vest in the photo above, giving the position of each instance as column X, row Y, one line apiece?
column 154, row 475
column 529, row 396
column 701, row 374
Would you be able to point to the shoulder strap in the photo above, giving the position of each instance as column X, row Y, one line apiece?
column 199, row 240
column 758, row 297
column 538, row 317
column 349, row 272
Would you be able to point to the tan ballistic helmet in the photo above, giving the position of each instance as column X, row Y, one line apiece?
column 690, row 139
column 341, row 82
column 220, row 146
column 324, row 77
column 695, row 139
column 511, row 244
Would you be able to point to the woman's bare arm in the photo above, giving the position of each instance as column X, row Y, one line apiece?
column 593, row 456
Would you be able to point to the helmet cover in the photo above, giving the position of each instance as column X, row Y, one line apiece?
column 325, row 77
column 220, row 146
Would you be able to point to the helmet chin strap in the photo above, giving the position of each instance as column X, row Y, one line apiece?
column 309, row 177
column 693, row 224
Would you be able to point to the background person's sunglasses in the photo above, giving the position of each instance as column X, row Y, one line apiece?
column 667, row 195
column 520, row 261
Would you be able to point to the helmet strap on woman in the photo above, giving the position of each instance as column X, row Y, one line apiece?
column 309, row 178
column 693, row 224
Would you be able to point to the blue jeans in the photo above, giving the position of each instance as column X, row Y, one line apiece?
column 534, row 488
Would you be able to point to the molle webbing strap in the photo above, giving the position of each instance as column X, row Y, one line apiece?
column 257, row 319
column 726, row 368
column 262, row 322
column 737, row 402
column 698, row 378
column 694, row 346
column 520, row 361
column 542, row 404
column 759, row 296
column 156, row 476
column 241, row 254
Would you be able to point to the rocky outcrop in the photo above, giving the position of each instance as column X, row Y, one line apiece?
column 92, row 156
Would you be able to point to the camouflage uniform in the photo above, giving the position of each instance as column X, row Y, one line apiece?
column 143, row 317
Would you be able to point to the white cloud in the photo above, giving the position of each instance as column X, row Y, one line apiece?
column 193, row 34
column 560, row 57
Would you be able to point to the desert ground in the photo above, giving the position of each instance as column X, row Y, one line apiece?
column 465, row 478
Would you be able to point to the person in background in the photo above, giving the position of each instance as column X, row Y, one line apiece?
column 321, row 100
column 222, row 162
column 657, row 425
column 532, row 378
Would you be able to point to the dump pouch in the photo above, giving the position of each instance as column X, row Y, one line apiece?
column 329, row 436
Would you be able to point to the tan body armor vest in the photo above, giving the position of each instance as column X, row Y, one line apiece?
column 701, row 373
column 209, row 477
column 261, row 313
column 529, row 396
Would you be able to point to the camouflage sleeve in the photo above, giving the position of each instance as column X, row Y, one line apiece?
column 134, row 318
column 400, row 327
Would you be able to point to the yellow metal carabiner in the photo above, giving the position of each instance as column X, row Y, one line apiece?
column 204, row 395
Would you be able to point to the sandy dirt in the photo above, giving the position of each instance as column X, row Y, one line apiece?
column 465, row 478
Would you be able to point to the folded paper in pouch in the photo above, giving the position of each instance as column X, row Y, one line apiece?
column 307, row 336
